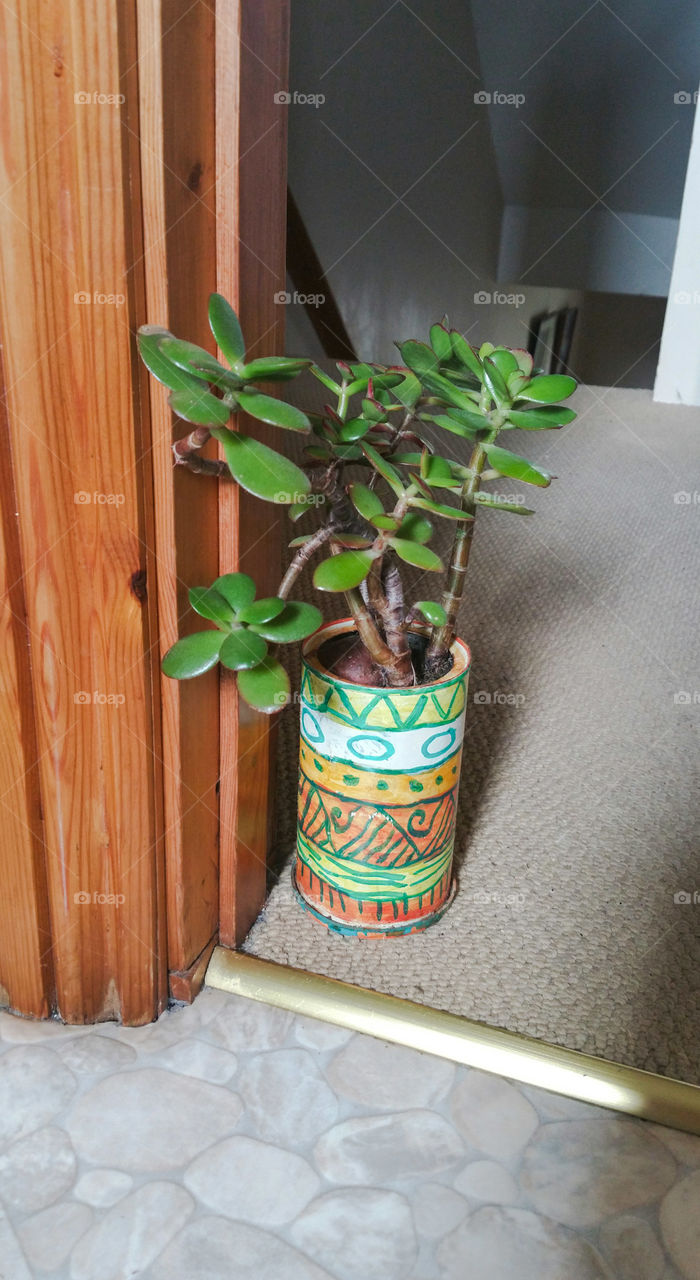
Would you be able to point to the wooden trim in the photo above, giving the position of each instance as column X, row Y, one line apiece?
column 69, row 221
column 251, row 67
column 177, row 171
column 186, row 986
column 307, row 276
column 26, row 970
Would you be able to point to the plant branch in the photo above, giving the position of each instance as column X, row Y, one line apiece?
column 186, row 453
column 301, row 558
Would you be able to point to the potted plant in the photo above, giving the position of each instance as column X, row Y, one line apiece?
column 383, row 691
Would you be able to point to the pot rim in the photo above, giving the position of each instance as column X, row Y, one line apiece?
column 460, row 651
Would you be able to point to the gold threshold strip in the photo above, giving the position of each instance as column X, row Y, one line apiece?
column 504, row 1053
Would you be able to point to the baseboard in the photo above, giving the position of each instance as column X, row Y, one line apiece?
column 504, row 1053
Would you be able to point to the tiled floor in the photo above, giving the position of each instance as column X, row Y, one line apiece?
column 232, row 1141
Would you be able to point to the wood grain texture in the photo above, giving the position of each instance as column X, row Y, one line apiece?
column 252, row 38
column 177, row 171
column 68, row 228
column 26, row 971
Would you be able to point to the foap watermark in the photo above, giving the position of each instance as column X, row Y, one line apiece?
column 83, row 699
column 84, row 298
column 489, row 698
column 482, row 898
column 284, row 298
column 683, row 898
column 84, row 499
column 685, row 99
column 297, row 99
column 485, row 297
column 684, row 698
column 98, row 99
column 498, row 99
column 300, row 499
column 685, row 298
column 98, row 898
column 684, row 499
column 514, row 499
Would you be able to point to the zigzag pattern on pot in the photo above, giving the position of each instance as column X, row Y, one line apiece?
column 383, row 709
column 371, row 834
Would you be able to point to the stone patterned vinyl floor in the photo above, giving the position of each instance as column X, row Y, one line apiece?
column 233, row 1141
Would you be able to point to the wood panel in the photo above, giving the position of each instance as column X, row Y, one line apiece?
column 251, row 134
column 26, row 977
column 69, row 236
column 176, row 43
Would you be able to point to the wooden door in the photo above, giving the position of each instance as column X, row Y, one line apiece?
column 142, row 166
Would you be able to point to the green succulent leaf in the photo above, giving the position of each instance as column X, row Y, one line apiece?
column 262, row 471
column 495, row 382
column 417, row 554
column 488, row 500
column 225, row 326
column 466, row 354
column 194, row 359
column 150, row 339
column 539, row 419
column 525, row 361
column 354, row 429
column 385, row 522
column 373, row 411
column 324, row 379
column 440, row 509
column 548, row 388
column 456, row 427
column 418, row 357
column 265, row 687
column 516, row 381
column 432, row 612
column 273, row 369
column 414, row 527
column 384, row 468
column 486, row 349
column 276, row 412
column 448, row 391
column 439, row 472
column 440, row 342
column 242, row 649
column 296, row 622
column 408, row 391
column 193, row 655
column 505, row 361
column 347, row 452
column 317, row 453
column 509, row 464
column 342, row 572
column 238, row 589
column 199, row 407
column 209, row 603
column 262, row 610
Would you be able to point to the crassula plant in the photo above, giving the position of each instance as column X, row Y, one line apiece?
column 373, row 482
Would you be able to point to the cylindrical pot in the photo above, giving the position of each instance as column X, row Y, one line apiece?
column 378, row 783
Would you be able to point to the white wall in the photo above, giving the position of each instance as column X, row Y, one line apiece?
column 601, row 251
column 678, row 373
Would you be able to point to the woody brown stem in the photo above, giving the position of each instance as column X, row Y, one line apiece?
column 301, row 558
column 186, row 453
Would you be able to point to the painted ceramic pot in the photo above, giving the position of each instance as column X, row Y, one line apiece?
column 378, row 784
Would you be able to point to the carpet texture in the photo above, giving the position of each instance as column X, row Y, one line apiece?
column 580, row 792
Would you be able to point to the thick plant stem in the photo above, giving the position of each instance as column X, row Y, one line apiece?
column 437, row 656
column 397, row 667
column 301, row 558
column 186, row 454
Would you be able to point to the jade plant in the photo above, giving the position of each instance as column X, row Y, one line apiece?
column 373, row 481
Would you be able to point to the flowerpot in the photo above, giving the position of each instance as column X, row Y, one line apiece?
column 378, row 784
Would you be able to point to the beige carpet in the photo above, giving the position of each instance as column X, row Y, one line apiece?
column 580, row 804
